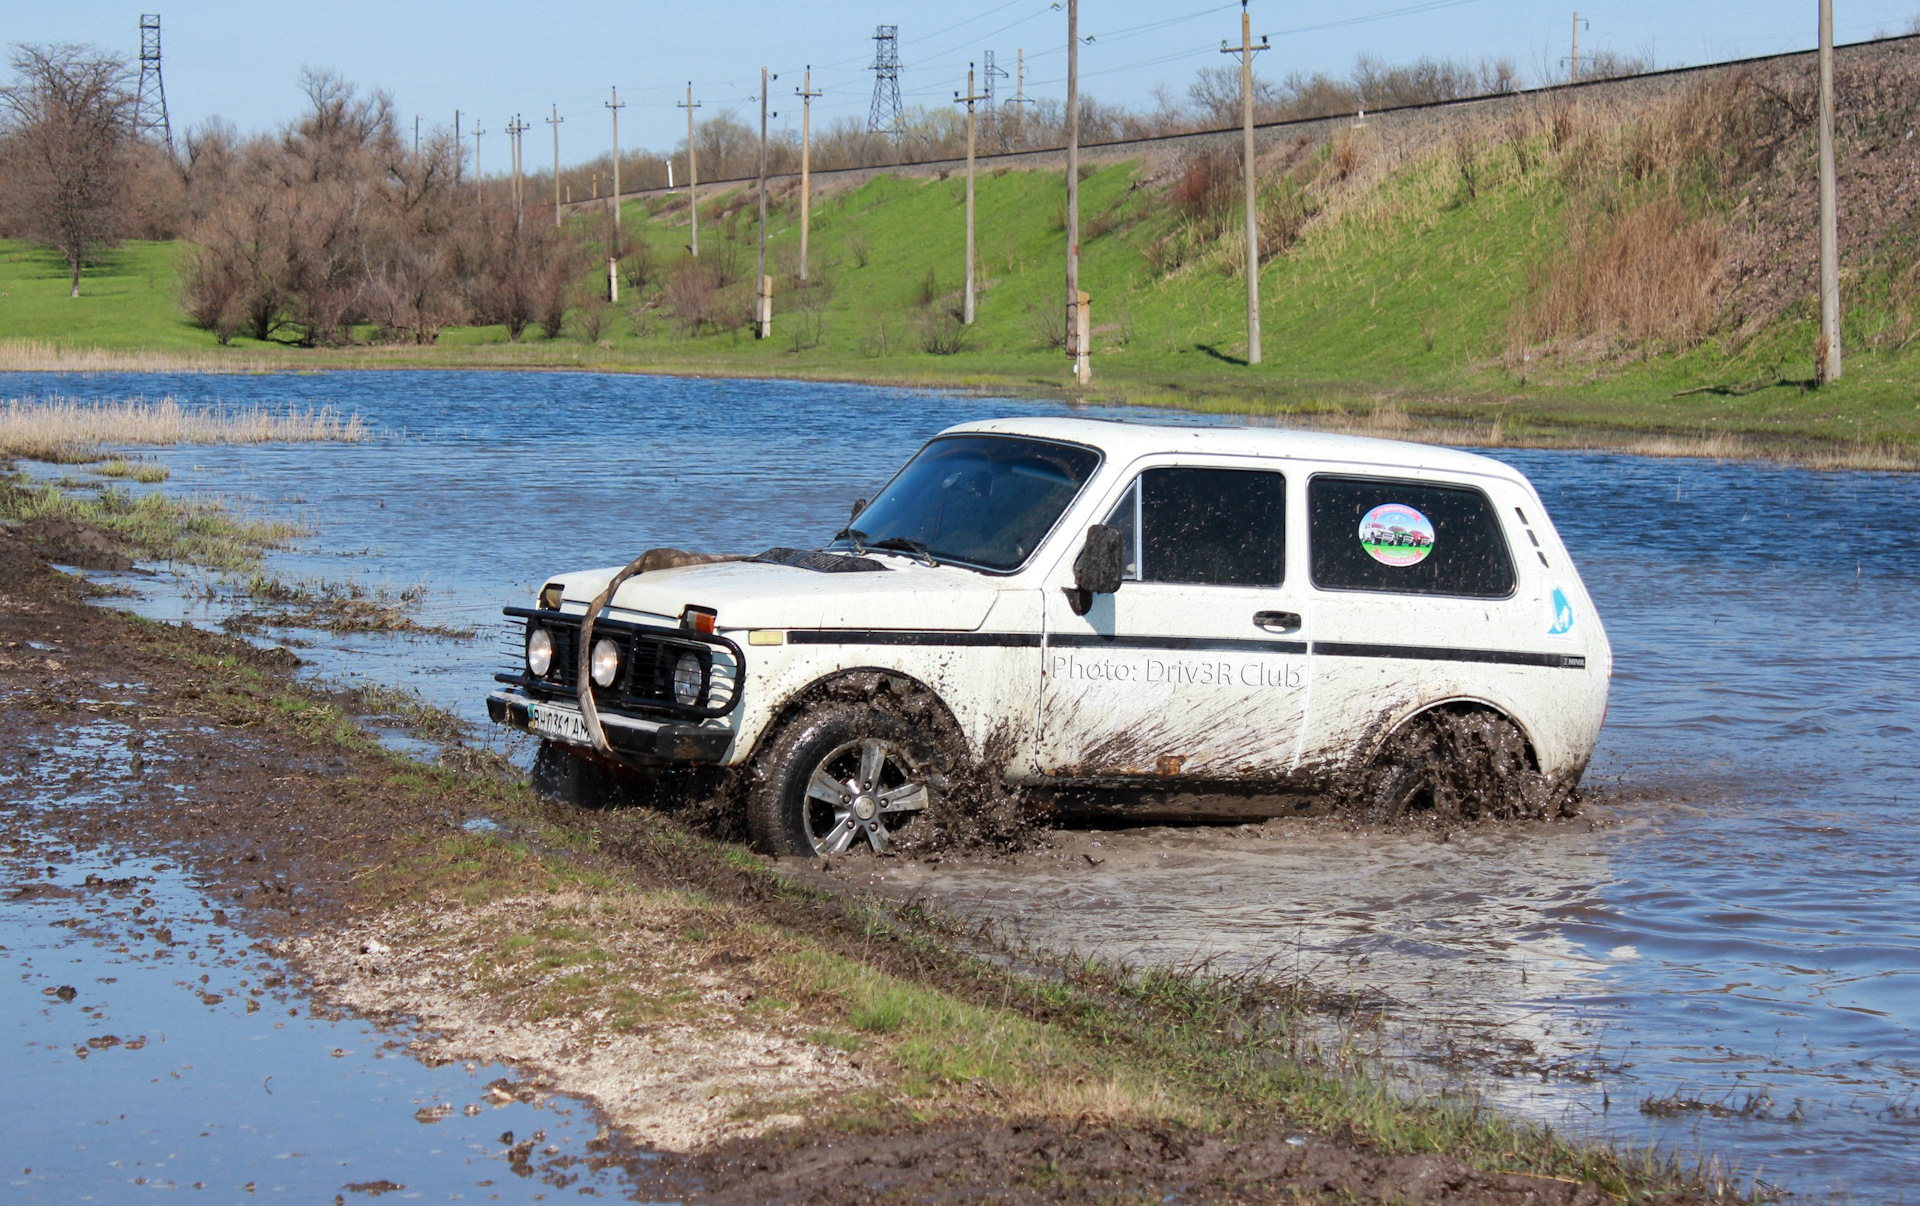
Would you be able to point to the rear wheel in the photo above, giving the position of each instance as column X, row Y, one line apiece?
column 841, row 777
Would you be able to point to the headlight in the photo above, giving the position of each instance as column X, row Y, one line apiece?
column 539, row 651
column 606, row 662
column 686, row 680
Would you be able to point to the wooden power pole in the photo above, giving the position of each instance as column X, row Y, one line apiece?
column 693, row 174
column 1827, row 351
column 1246, row 51
column 479, row 181
column 1079, row 321
column 966, row 302
column 806, row 95
column 613, row 243
column 555, row 121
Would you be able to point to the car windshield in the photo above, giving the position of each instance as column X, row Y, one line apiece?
column 983, row 501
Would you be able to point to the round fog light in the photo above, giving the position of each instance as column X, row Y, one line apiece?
column 539, row 652
column 606, row 662
column 686, row 680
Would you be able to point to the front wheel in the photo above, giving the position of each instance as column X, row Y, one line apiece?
column 841, row 777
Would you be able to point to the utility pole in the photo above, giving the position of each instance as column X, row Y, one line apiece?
column 459, row 148
column 966, row 303
column 1246, row 51
column 1827, row 352
column 1020, row 101
column 693, row 173
column 1573, row 60
column 479, row 181
column 613, row 243
column 555, row 121
column 516, row 128
column 806, row 95
column 1079, row 322
column 763, row 287
column 416, row 136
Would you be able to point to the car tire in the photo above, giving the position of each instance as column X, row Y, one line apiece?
column 1404, row 776
column 840, row 777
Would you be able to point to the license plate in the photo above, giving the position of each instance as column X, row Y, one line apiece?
column 561, row 724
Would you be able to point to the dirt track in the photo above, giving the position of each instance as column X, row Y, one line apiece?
column 305, row 832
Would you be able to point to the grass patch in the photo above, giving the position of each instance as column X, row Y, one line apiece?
column 146, row 473
column 192, row 531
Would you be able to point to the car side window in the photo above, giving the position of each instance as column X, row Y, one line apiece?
column 1217, row 527
column 1377, row 534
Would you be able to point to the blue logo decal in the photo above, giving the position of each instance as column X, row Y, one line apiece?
column 1562, row 614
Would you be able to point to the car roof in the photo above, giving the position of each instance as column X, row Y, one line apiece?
column 1125, row 440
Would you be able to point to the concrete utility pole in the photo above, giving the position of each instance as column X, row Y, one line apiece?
column 479, row 181
column 459, row 148
column 516, row 128
column 806, row 95
column 416, row 136
column 613, row 243
column 966, row 303
column 1019, row 101
column 1573, row 60
column 1827, row 352
column 693, row 174
column 1246, row 51
column 555, row 121
column 1079, row 321
column 763, row 284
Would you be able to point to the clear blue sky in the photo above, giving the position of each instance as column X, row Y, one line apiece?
column 492, row 59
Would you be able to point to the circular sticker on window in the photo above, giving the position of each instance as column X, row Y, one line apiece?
column 1396, row 534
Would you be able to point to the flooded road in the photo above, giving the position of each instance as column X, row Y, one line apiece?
column 1724, row 961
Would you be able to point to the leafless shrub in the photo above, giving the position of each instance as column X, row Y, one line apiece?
column 941, row 333
column 929, row 289
column 588, row 316
column 1284, row 213
column 1465, row 150
column 1049, row 324
column 1207, row 184
column 690, row 295
column 879, row 342
column 859, row 247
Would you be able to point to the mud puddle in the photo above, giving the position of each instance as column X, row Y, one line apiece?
column 157, row 1046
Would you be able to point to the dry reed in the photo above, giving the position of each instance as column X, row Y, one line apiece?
column 46, row 356
column 64, row 430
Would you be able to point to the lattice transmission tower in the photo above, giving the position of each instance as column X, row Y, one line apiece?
column 150, row 105
column 886, row 117
column 990, row 74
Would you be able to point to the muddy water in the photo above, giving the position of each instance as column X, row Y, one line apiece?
column 1721, row 957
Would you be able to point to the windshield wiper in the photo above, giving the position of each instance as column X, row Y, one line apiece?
column 907, row 545
column 858, row 538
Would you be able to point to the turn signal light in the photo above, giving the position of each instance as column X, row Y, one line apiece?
column 698, row 619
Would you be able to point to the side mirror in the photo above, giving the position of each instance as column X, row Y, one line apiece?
column 1097, row 570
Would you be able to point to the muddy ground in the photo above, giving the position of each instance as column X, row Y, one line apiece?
column 303, row 834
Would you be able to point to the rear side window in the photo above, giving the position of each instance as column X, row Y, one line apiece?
column 1368, row 533
column 1216, row 527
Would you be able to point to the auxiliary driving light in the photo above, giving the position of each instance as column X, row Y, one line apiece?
column 686, row 680
column 539, row 652
column 606, row 662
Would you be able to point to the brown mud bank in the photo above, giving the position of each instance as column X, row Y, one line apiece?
column 748, row 1036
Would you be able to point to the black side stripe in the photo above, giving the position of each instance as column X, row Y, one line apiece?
column 1427, row 653
column 1095, row 640
column 1029, row 640
column 869, row 636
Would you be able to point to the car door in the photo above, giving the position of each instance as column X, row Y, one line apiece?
column 1197, row 666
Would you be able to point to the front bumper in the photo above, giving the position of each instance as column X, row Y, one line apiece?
column 631, row 738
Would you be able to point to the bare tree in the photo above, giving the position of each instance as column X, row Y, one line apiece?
column 66, row 141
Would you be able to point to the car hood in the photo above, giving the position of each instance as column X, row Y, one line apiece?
column 752, row 594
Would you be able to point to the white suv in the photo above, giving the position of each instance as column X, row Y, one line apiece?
column 1249, row 614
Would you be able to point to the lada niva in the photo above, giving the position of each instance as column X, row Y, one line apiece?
column 1088, row 606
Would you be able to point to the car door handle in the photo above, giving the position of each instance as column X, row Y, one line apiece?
column 1278, row 621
